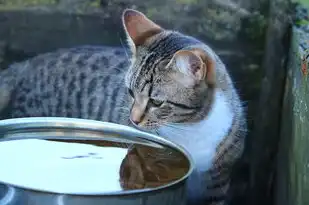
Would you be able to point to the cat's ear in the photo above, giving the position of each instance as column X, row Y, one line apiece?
column 192, row 67
column 138, row 27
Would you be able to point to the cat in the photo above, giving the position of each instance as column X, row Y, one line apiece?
column 171, row 84
column 182, row 91
column 82, row 82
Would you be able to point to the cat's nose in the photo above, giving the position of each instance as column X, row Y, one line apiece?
column 137, row 114
column 135, row 120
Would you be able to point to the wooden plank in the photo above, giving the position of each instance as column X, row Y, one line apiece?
column 266, row 128
column 293, row 157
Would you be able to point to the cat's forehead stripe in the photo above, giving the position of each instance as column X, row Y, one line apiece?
column 144, row 66
column 172, row 43
column 163, row 49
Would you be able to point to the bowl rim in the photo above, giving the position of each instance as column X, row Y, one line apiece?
column 15, row 124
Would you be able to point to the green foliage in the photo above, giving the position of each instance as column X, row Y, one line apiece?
column 150, row 12
column 95, row 3
column 305, row 2
column 187, row 1
column 22, row 3
column 254, row 28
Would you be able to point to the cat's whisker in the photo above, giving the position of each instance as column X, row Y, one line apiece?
column 177, row 127
column 124, row 48
column 151, row 124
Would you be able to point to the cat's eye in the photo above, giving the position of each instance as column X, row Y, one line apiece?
column 155, row 102
column 131, row 93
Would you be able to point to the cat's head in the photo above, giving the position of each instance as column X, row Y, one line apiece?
column 171, row 79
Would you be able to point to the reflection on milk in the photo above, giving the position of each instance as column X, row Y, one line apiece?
column 60, row 167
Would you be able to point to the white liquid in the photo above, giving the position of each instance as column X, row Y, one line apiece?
column 49, row 166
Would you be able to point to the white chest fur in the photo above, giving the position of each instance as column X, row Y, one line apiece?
column 201, row 139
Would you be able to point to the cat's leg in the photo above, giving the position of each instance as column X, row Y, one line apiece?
column 218, row 186
column 211, row 189
column 228, row 152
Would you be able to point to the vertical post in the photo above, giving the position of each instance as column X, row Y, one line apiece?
column 266, row 126
column 293, row 158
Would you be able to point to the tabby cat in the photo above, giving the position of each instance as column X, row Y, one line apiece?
column 172, row 84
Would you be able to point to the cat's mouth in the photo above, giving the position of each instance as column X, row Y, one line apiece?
column 145, row 126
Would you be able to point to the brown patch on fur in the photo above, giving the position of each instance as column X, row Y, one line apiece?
column 139, row 27
column 192, row 68
column 210, row 65
column 140, row 40
column 136, row 114
column 146, row 167
column 131, row 172
column 138, row 108
column 194, row 61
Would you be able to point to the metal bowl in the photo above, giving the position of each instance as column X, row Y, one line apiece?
column 66, row 129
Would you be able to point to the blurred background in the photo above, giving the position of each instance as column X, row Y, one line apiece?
column 251, row 37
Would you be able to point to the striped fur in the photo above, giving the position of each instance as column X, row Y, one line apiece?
column 85, row 82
